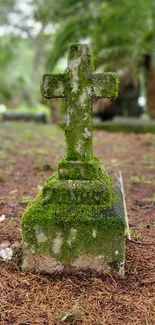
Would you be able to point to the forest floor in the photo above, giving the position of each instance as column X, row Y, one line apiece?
column 28, row 155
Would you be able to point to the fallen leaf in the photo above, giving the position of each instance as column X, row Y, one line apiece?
column 14, row 191
column 6, row 253
column 4, row 244
column 16, row 244
column 39, row 187
column 2, row 218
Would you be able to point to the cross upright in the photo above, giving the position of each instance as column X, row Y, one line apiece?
column 79, row 86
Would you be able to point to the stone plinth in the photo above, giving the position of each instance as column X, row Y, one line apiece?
column 75, row 225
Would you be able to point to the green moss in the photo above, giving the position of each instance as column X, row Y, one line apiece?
column 54, row 86
column 86, row 244
column 46, row 214
column 79, row 127
column 105, row 85
column 2, row 155
column 78, row 169
column 73, row 50
column 95, row 238
column 108, row 237
column 58, row 216
column 97, row 191
column 79, row 85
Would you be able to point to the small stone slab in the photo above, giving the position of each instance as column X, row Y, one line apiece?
column 23, row 116
column 128, row 125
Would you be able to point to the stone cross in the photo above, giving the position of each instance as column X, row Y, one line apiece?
column 77, row 221
column 79, row 86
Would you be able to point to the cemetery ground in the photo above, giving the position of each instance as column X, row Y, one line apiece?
column 28, row 155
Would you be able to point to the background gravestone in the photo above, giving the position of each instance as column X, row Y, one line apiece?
column 77, row 221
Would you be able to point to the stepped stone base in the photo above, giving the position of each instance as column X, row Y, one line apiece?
column 75, row 225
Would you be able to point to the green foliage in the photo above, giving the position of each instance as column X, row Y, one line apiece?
column 35, row 109
column 142, row 180
column 5, row 8
column 21, row 53
column 74, row 312
column 15, row 84
column 8, row 47
column 26, row 199
column 2, row 155
column 121, row 32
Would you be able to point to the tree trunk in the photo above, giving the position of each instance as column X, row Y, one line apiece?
column 151, row 92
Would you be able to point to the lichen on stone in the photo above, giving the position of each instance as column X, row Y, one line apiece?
column 54, row 86
column 105, row 85
column 71, row 168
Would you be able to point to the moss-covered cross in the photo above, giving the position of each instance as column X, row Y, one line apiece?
column 79, row 85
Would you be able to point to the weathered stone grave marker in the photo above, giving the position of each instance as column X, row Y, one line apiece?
column 79, row 86
column 77, row 221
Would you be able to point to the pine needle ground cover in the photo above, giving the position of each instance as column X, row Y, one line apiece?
column 28, row 155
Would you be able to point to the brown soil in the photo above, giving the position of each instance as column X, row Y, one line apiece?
column 28, row 155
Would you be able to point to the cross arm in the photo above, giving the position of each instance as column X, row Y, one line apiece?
column 53, row 86
column 104, row 85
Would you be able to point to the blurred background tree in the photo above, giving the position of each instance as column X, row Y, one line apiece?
column 22, row 54
column 121, row 32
